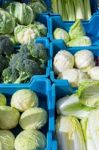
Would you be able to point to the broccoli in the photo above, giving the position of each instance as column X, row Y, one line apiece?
column 6, row 46
column 38, row 51
column 3, row 63
column 9, row 75
column 27, row 69
column 28, row 61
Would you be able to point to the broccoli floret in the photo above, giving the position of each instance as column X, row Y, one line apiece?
column 9, row 75
column 6, row 46
column 24, row 64
column 27, row 69
column 38, row 51
column 3, row 63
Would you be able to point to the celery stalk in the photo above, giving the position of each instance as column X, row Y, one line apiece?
column 60, row 7
column 54, row 6
column 64, row 11
column 79, row 9
column 87, row 7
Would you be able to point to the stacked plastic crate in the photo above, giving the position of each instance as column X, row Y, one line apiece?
column 47, row 86
column 61, row 88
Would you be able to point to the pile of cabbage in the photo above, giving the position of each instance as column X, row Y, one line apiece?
column 18, row 21
column 75, row 37
column 23, row 111
column 76, row 68
column 77, row 123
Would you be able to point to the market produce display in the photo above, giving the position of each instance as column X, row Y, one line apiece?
column 18, row 21
column 76, row 68
column 70, row 10
column 77, row 118
column 20, row 65
column 30, row 120
column 75, row 37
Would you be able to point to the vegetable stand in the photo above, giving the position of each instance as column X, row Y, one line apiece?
column 56, row 46
column 47, row 86
column 42, row 88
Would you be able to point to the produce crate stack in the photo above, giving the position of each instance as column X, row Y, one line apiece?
column 49, row 75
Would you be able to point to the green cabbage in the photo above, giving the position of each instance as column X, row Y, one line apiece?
column 30, row 140
column 77, row 30
column 80, row 41
column 6, row 140
column 33, row 118
column 24, row 34
column 24, row 99
column 9, row 117
column 2, row 100
column 61, row 34
column 7, row 22
column 22, row 12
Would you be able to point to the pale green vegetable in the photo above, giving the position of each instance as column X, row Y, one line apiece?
column 84, row 60
column 6, row 140
column 69, row 134
column 24, row 99
column 33, row 118
column 87, row 7
column 77, row 30
column 74, row 76
column 70, row 105
column 80, row 41
column 89, row 140
column 94, row 73
column 63, row 60
column 61, row 34
column 30, row 140
column 24, row 34
column 7, row 22
column 88, row 93
column 84, row 122
column 2, row 100
column 9, row 117
column 54, row 6
column 93, row 126
column 70, row 10
column 79, row 9
column 22, row 12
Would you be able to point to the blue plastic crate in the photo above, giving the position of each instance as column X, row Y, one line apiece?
column 58, row 45
column 47, row 71
column 42, row 87
column 91, row 27
column 54, row 145
column 59, row 90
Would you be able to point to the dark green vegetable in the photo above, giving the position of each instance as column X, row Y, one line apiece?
column 6, row 46
column 38, row 6
column 28, row 61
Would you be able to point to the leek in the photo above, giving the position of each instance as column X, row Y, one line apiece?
column 87, row 7
column 79, row 9
column 54, row 6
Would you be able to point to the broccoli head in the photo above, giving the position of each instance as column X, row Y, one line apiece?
column 38, row 51
column 9, row 75
column 6, row 46
column 3, row 63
